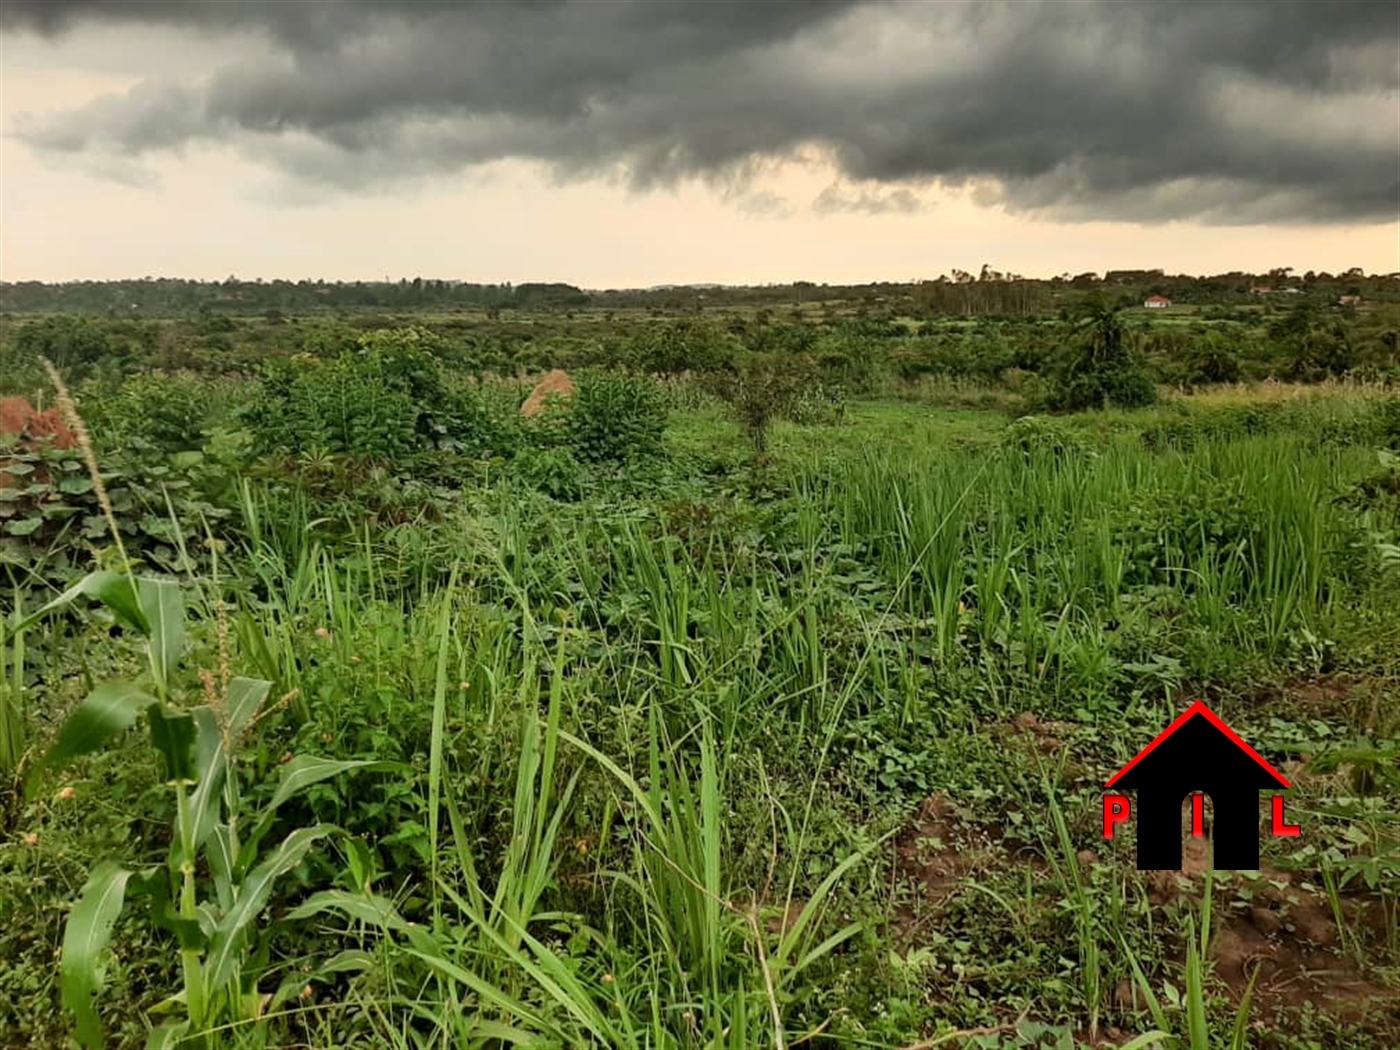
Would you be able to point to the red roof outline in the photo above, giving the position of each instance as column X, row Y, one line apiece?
column 1199, row 708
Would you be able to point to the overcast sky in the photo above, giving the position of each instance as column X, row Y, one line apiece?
column 636, row 142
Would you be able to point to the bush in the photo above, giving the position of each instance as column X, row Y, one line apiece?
column 165, row 412
column 615, row 419
column 1104, row 369
column 553, row 471
column 760, row 389
column 1125, row 386
column 1031, row 434
column 1386, row 415
column 483, row 419
column 340, row 406
column 386, row 400
column 78, row 346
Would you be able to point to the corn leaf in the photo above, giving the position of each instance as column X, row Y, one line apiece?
column 252, row 897
column 85, row 937
column 108, row 710
column 163, row 606
column 112, row 589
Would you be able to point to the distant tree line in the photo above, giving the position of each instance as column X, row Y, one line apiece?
column 989, row 292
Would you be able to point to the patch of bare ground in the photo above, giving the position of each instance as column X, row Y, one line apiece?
column 931, row 858
column 1326, row 693
column 1283, row 925
column 556, row 385
column 1276, row 922
column 1362, row 701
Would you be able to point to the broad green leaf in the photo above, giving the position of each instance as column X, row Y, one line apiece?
column 108, row 710
column 298, row 775
column 112, row 589
column 367, row 908
column 304, row 770
column 75, row 486
column 227, row 941
column 172, row 734
column 219, row 851
column 85, row 937
column 245, row 697
column 24, row 526
column 352, row 960
column 170, row 1035
column 211, row 767
column 1147, row 1039
column 163, row 605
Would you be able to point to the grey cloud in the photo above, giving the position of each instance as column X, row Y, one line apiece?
column 899, row 201
column 1228, row 112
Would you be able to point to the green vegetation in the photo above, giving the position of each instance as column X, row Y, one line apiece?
column 759, row 694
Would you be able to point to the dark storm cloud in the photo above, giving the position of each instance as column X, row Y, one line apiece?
column 1228, row 112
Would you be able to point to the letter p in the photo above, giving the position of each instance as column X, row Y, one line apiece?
column 1116, row 810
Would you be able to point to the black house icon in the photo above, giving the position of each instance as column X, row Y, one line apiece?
column 1198, row 752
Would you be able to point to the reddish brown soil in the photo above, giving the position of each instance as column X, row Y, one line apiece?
column 18, row 416
column 932, row 857
column 34, row 429
column 1280, row 923
column 556, row 383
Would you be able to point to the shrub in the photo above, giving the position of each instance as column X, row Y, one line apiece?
column 166, row 412
column 1031, row 434
column 760, row 389
column 1211, row 359
column 1104, row 369
column 339, row 406
column 1387, row 421
column 553, row 471
column 821, row 403
column 615, row 418
column 78, row 346
column 386, row 400
column 1116, row 386
column 483, row 419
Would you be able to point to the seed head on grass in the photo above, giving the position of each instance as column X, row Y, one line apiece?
column 74, row 419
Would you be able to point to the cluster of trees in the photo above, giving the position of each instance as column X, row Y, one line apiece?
column 164, row 296
column 987, row 292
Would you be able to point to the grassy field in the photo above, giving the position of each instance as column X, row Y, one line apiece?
column 706, row 749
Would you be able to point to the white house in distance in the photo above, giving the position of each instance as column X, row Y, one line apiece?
column 1156, row 302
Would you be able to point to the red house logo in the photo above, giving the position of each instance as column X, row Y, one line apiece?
column 1196, row 755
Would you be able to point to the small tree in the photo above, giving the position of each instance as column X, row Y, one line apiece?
column 1211, row 359
column 1312, row 345
column 1104, row 368
column 760, row 388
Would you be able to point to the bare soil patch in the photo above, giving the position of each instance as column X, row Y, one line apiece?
column 1283, row 924
column 931, row 858
column 1278, row 922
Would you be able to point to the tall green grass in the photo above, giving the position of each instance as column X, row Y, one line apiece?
column 631, row 748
